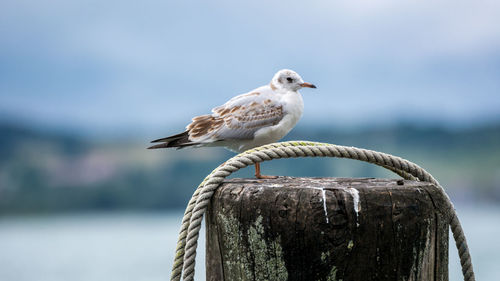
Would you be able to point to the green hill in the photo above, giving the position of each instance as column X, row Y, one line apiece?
column 49, row 172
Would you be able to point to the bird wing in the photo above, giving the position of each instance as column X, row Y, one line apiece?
column 239, row 118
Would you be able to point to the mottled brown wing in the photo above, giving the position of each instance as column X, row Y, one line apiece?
column 239, row 118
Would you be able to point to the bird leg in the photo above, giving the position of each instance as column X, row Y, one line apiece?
column 259, row 176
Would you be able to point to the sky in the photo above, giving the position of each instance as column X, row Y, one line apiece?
column 110, row 67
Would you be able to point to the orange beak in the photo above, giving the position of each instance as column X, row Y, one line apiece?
column 308, row 85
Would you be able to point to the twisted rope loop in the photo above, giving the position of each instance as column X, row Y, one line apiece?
column 184, row 261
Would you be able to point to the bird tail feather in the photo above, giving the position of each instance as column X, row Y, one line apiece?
column 179, row 141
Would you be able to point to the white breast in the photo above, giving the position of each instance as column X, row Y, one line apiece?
column 293, row 106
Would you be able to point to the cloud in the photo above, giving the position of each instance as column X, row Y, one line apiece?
column 113, row 63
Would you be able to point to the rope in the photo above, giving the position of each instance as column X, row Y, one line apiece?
column 184, row 261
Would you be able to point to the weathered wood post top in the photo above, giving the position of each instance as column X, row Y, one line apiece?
column 325, row 229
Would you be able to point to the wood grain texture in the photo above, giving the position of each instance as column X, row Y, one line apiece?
column 366, row 229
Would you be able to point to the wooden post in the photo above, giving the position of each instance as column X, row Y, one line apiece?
column 325, row 229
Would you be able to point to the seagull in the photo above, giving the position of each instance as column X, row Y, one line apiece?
column 261, row 116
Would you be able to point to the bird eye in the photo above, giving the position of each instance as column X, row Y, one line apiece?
column 289, row 79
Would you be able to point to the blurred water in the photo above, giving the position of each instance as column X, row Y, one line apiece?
column 97, row 247
column 482, row 229
column 132, row 246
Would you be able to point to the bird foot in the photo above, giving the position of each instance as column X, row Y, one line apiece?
column 266, row 177
column 259, row 176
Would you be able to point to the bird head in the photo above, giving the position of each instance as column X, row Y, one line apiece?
column 287, row 79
